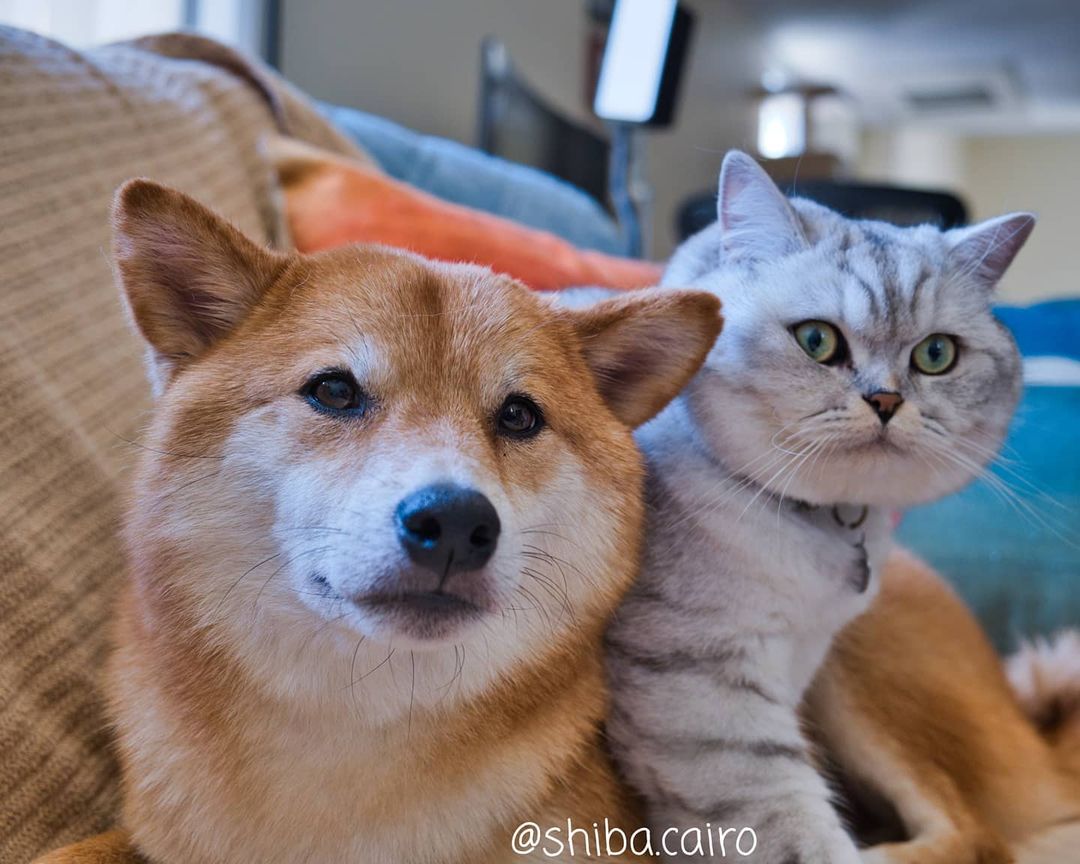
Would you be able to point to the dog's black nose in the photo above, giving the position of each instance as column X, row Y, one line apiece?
column 885, row 403
column 446, row 528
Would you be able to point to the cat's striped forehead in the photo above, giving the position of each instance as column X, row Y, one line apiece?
column 888, row 282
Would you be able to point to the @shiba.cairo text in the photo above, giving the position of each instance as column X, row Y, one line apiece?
column 603, row 839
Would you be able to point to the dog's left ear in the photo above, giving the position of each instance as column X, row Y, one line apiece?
column 188, row 276
column 645, row 346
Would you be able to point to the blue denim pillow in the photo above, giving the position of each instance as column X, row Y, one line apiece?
column 457, row 173
column 1045, row 329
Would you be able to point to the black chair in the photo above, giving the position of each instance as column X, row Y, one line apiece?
column 854, row 200
column 515, row 123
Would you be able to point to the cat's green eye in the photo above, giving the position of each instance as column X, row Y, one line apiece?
column 820, row 340
column 935, row 355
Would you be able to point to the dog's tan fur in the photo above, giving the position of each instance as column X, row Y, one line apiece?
column 914, row 707
column 250, row 728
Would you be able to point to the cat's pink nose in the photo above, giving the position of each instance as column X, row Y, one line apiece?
column 885, row 403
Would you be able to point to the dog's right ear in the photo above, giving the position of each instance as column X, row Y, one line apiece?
column 187, row 275
column 643, row 347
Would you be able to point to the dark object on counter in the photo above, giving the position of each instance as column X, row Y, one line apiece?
column 855, row 200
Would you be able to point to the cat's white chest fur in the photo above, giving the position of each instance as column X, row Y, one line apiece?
column 822, row 564
column 755, row 565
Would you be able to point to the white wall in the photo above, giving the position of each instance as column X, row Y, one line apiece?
column 416, row 62
column 995, row 174
column 1039, row 173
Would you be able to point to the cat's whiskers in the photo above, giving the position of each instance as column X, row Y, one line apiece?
column 827, row 451
column 990, row 457
column 787, row 465
column 1011, row 472
column 738, row 479
column 1007, row 453
column 731, row 485
column 814, row 453
column 953, row 456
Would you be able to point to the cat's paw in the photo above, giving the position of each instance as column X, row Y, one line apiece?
column 834, row 847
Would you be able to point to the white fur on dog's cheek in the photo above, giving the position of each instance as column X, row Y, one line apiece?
column 554, row 522
column 329, row 528
column 272, row 514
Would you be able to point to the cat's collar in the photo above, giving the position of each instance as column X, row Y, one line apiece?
column 850, row 516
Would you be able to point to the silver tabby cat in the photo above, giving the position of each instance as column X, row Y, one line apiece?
column 860, row 370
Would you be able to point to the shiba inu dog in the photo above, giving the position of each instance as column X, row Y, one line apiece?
column 383, row 513
column 950, row 756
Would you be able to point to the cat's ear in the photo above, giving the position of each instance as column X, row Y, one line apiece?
column 756, row 220
column 986, row 250
column 187, row 275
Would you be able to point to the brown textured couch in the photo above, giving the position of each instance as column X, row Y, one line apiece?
column 73, row 126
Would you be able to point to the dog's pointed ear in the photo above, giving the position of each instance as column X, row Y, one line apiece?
column 645, row 346
column 188, row 277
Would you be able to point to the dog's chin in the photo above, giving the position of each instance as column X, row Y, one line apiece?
column 420, row 618
column 406, row 610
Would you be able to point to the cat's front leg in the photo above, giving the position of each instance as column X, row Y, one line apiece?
column 800, row 827
column 712, row 748
column 802, row 831
column 797, row 828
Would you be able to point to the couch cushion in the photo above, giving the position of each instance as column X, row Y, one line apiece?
column 466, row 176
column 331, row 201
column 73, row 126
column 1050, row 329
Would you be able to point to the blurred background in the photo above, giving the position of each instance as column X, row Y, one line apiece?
column 975, row 99
column 554, row 140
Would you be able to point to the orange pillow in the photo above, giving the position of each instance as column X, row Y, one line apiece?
column 331, row 201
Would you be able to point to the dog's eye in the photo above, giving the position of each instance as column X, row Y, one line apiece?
column 335, row 391
column 519, row 417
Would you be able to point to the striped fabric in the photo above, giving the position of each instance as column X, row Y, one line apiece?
column 73, row 126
